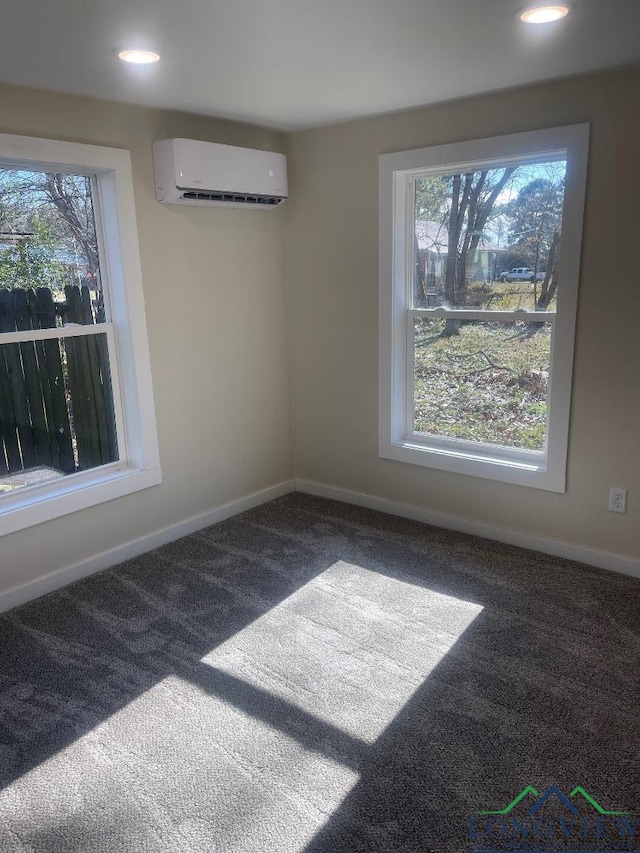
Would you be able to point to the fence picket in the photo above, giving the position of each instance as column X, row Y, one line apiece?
column 16, row 386
column 100, row 383
column 105, row 373
column 43, row 377
column 81, row 386
column 11, row 460
column 50, row 355
column 35, row 397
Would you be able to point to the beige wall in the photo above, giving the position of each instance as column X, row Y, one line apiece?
column 215, row 303
column 331, row 243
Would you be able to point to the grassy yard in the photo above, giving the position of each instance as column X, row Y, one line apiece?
column 489, row 383
column 506, row 297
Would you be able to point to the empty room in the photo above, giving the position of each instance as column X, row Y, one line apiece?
column 319, row 445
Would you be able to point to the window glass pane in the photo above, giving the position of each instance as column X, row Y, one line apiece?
column 482, row 381
column 48, row 240
column 489, row 239
column 56, row 410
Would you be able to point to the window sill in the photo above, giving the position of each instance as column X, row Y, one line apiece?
column 521, row 472
column 36, row 504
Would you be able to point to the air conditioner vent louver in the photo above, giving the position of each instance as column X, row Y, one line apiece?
column 236, row 198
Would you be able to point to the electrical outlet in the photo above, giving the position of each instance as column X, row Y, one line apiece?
column 617, row 500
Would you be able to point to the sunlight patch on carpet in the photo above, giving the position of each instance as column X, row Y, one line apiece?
column 175, row 766
column 255, row 746
column 350, row 647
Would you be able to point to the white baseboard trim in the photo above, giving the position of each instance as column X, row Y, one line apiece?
column 600, row 559
column 106, row 559
column 62, row 577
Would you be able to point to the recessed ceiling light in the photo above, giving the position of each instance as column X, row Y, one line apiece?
column 139, row 57
column 544, row 14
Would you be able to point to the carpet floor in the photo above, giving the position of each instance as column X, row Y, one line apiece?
column 309, row 677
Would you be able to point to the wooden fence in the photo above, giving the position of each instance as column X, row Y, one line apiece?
column 56, row 404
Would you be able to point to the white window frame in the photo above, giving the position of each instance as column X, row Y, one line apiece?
column 138, row 466
column 540, row 469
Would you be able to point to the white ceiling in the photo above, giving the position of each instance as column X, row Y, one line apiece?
column 293, row 64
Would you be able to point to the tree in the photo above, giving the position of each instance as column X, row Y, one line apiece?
column 473, row 198
column 470, row 205
column 54, row 212
column 30, row 260
column 536, row 216
column 431, row 195
column 550, row 284
column 71, row 195
column 536, row 219
column 430, row 207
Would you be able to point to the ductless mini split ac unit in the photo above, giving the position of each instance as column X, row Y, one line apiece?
column 209, row 174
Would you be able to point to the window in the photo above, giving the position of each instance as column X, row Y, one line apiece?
column 479, row 262
column 77, row 422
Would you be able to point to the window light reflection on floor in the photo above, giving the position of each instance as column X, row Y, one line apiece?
column 263, row 738
column 350, row 647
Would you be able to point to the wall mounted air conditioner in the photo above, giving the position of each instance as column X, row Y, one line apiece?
column 212, row 175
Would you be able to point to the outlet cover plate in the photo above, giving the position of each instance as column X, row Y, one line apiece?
column 617, row 499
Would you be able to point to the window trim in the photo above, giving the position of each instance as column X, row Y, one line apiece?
column 114, row 206
column 537, row 469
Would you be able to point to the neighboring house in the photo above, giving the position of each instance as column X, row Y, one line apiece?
column 432, row 250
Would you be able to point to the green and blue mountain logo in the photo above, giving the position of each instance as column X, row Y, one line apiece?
column 553, row 791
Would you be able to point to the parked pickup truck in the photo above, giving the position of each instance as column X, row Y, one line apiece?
column 521, row 274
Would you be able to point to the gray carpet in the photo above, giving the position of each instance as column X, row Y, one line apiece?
column 311, row 676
